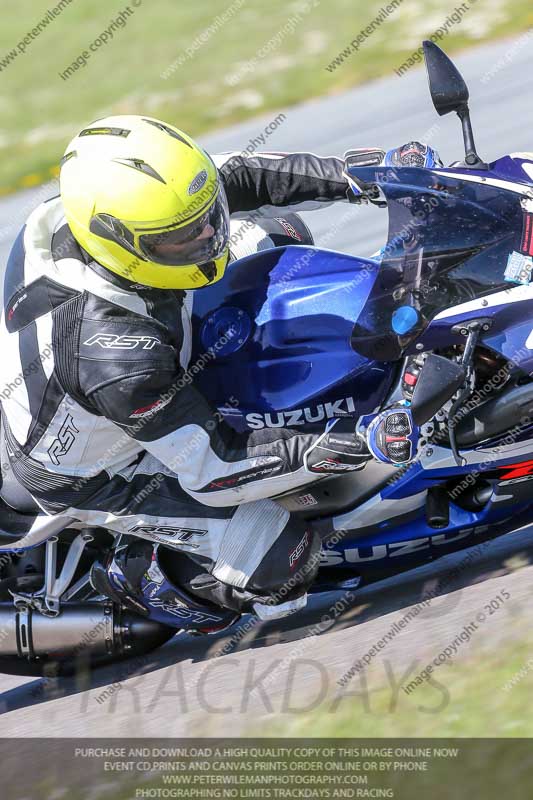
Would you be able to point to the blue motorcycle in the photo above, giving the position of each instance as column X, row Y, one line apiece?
column 439, row 323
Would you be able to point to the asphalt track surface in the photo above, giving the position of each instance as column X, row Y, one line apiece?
column 219, row 686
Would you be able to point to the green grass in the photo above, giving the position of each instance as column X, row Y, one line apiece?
column 467, row 699
column 40, row 111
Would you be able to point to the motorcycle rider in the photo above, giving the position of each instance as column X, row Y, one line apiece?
column 109, row 428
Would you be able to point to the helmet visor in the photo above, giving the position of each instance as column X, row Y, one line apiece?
column 200, row 241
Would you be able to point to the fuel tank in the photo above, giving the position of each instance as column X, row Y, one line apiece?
column 271, row 340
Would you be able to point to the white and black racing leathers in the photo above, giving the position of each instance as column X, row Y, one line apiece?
column 100, row 418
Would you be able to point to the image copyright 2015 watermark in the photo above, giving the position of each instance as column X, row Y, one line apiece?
column 455, row 18
column 203, row 37
column 34, row 33
column 247, row 68
column 451, row 650
column 106, row 36
column 364, row 34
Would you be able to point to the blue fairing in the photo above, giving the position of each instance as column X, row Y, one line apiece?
column 450, row 238
column 321, row 332
column 290, row 314
column 517, row 167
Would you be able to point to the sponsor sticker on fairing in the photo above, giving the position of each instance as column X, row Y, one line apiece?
column 343, row 407
column 519, row 269
column 527, row 232
column 406, row 548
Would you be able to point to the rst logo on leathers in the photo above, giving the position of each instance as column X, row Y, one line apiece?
column 330, row 465
column 180, row 534
column 63, row 441
column 182, row 612
column 298, row 551
column 302, row 416
column 112, row 341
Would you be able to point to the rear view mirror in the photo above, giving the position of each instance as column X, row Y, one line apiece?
column 438, row 381
column 449, row 93
column 448, row 90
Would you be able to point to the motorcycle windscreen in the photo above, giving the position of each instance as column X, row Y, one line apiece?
column 449, row 242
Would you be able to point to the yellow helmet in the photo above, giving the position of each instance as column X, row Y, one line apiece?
column 145, row 201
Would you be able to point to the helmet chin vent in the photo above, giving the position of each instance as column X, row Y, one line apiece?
column 208, row 270
column 109, row 227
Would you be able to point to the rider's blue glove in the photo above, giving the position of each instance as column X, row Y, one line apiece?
column 392, row 436
column 413, row 154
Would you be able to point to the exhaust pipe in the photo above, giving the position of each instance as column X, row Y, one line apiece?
column 99, row 633
column 513, row 407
